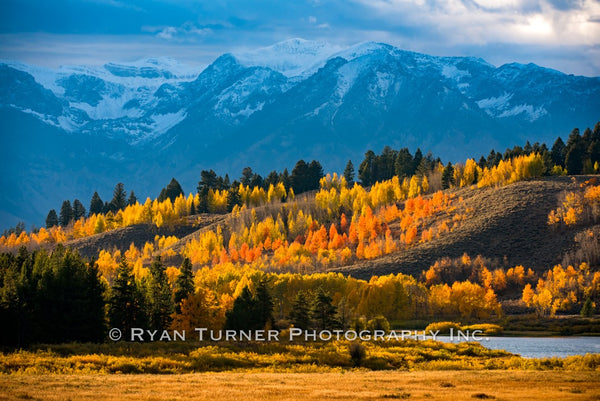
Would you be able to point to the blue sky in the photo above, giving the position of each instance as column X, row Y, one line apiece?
column 561, row 34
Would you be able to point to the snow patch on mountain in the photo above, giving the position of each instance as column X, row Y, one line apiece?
column 347, row 75
column 453, row 73
column 495, row 104
column 531, row 112
column 164, row 122
column 293, row 57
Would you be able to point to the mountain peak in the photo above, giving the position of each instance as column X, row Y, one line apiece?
column 291, row 57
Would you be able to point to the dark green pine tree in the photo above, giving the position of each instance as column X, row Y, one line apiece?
column 96, row 204
column 132, row 200
column 78, row 209
column 160, row 297
column 300, row 313
column 323, row 312
column 233, row 197
column 119, row 200
column 349, row 173
column 482, row 162
column 251, row 312
column 172, row 191
column 272, row 179
column 51, row 219
column 417, row 159
column 93, row 328
column 66, row 213
column 208, row 181
column 70, row 299
column 299, row 177
column 404, row 164
column 243, row 314
column 246, row 177
column 315, row 173
column 264, row 304
column 256, row 181
column 386, row 164
column 285, row 179
column 184, row 285
column 125, row 303
column 366, row 170
column 576, row 152
column 588, row 309
column 448, row 176
column 558, row 152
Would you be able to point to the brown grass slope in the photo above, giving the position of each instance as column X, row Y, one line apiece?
column 508, row 223
column 139, row 234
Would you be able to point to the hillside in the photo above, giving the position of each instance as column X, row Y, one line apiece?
column 507, row 223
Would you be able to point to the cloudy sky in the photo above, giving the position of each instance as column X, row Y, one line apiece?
column 561, row 34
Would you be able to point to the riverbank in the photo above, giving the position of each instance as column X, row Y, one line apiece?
column 178, row 358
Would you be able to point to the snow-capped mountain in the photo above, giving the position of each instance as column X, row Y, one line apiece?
column 71, row 131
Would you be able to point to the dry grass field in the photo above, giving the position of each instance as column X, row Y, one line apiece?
column 356, row 385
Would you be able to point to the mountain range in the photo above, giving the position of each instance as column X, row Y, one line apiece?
column 71, row 131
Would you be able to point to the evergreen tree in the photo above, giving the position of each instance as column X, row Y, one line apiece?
column 208, row 180
column 366, row 170
column 417, row 159
column 246, row 177
column 299, row 178
column 493, row 158
column 404, row 164
column 66, row 213
column 558, row 152
column 349, row 173
column 448, row 176
column 233, row 197
column 96, row 204
column 587, row 310
column 385, row 164
column 161, row 301
column 576, row 152
column 315, row 173
column 51, row 219
column 300, row 313
column 251, row 312
column 272, row 179
column 256, row 181
column 78, row 209
column 264, row 304
column 119, row 200
column 132, row 199
column 69, row 299
column 241, row 316
column 172, row 191
column 125, row 305
column 482, row 162
column 285, row 179
column 323, row 312
column 184, row 285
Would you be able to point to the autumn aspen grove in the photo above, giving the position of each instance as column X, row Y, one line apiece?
column 299, row 200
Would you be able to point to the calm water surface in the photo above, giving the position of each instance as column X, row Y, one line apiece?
column 539, row 347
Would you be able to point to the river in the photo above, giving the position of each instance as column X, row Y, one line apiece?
column 539, row 347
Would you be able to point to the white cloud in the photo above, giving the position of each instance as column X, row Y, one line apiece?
column 167, row 33
column 187, row 31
